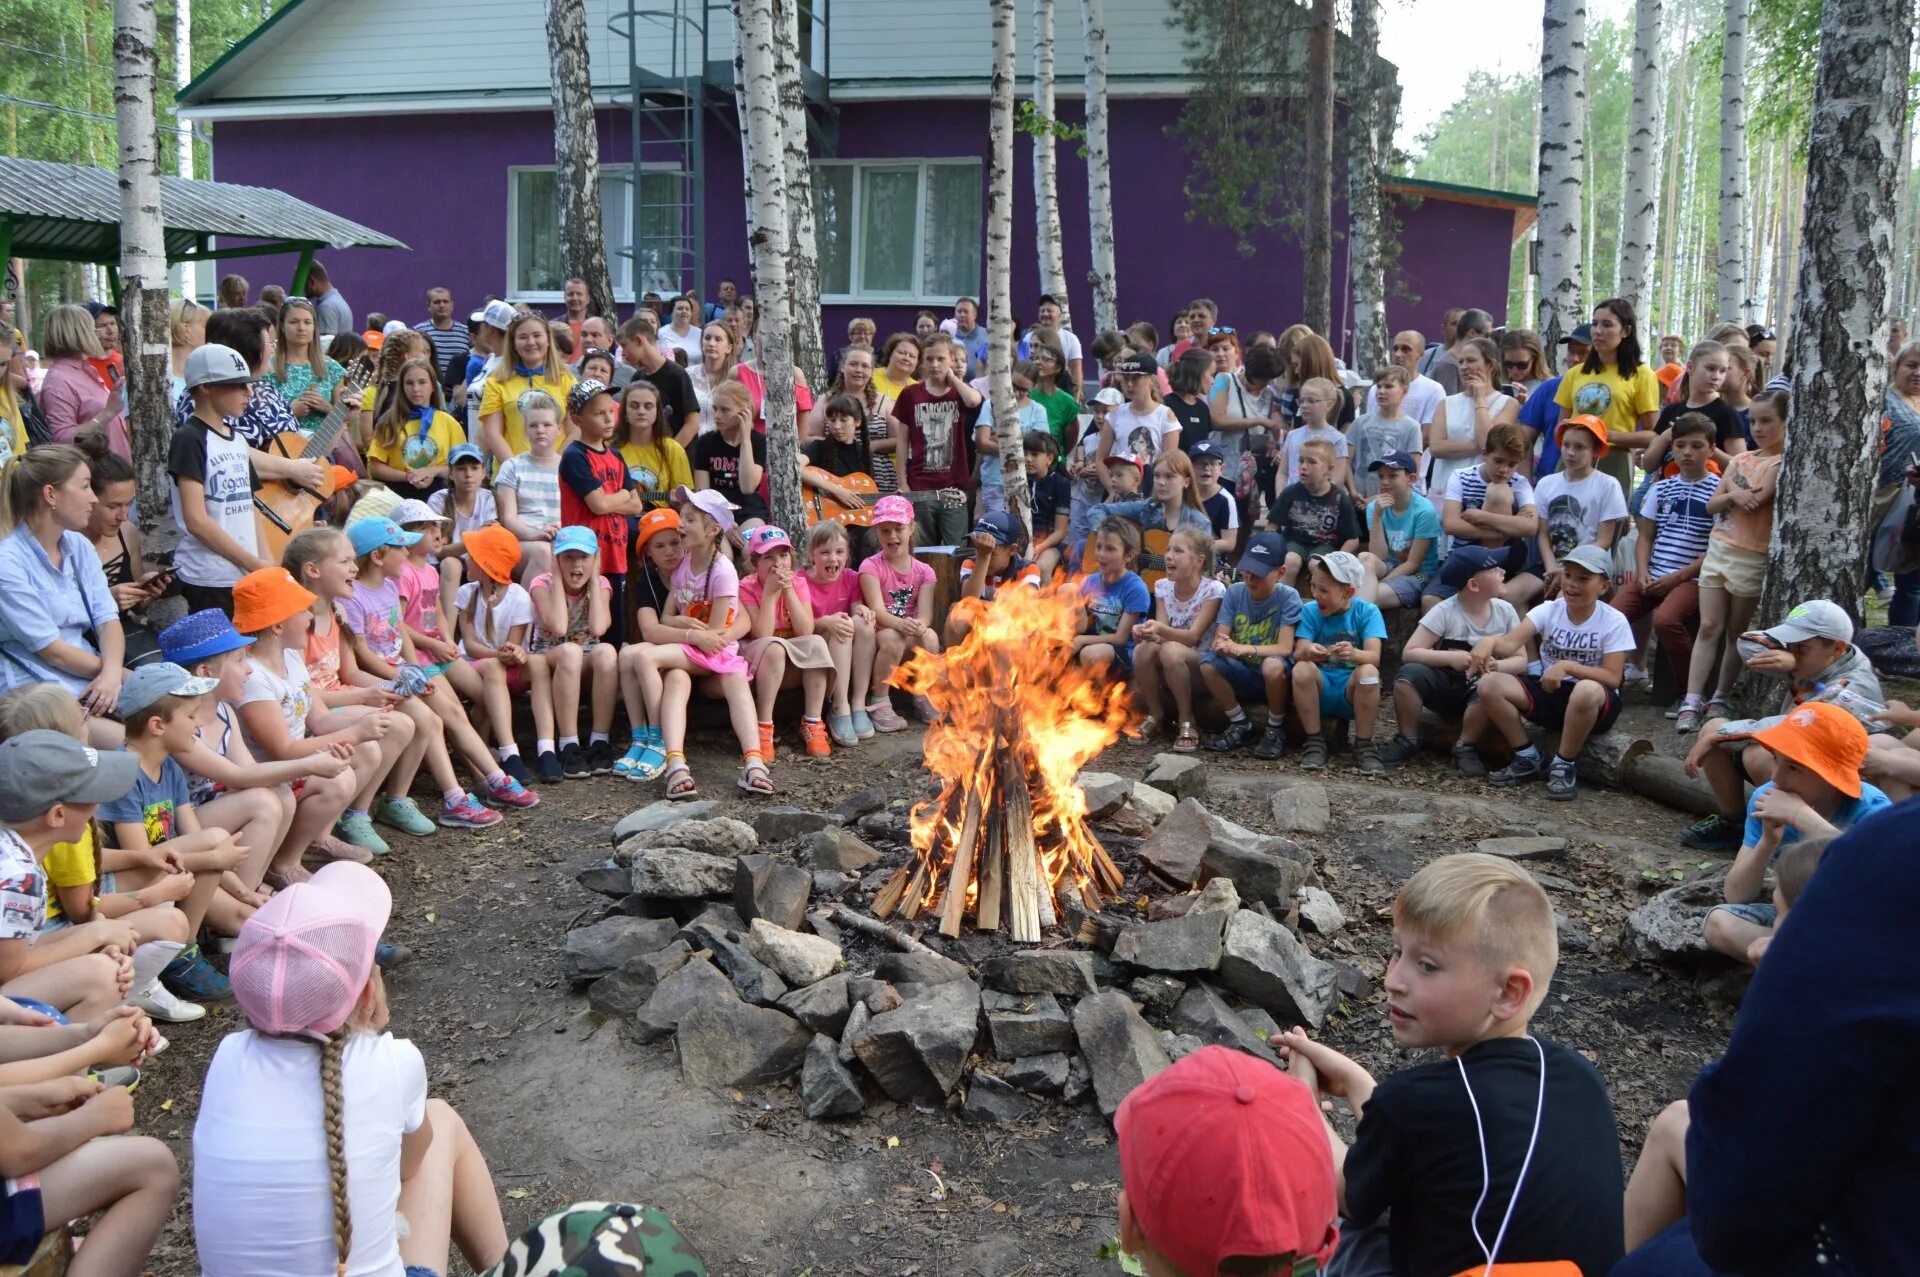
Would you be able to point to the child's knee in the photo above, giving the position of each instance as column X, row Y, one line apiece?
column 603, row 659
column 1588, row 695
column 565, row 659
column 1306, row 676
column 165, row 924
column 1669, row 1130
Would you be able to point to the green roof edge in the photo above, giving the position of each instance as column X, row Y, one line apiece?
column 191, row 92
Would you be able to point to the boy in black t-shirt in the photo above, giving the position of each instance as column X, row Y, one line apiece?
column 1509, row 1142
column 1049, row 497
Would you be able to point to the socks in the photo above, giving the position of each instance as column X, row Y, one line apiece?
column 543, row 746
column 1558, row 760
column 1531, row 753
column 805, row 719
column 352, row 811
column 453, row 796
column 597, row 738
column 1693, row 700
column 569, row 740
column 751, row 757
column 1236, row 715
column 507, row 751
column 493, row 778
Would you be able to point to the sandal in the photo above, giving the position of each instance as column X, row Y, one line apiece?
column 680, row 782
column 1150, row 727
column 755, row 778
column 1188, row 740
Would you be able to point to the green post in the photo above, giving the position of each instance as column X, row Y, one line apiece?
column 113, row 284
column 299, row 286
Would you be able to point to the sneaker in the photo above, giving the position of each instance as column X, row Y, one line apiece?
column 600, row 758
column 841, row 728
column 191, row 976
column 1687, row 721
column 1366, row 756
column 573, row 760
column 467, row 813
column 1635, row 674
column 1235, row 737
column 403, row 814
column 508, row 792
column 516, row 767
column 1313, row 754
column 1715, row 833
column 815, row 735
column 924, row 708
column 390, row 955
column 1467, row 760
column 1520, row 770
column 862, row 723
column 1399, row 750
column 356, row 828
column 766, row 743
column 1273, row 742
column 885, row 718
column 1673, row 710
column 1563, row 780
column 546, row 765
column 160, row 1004
column 1716, row 707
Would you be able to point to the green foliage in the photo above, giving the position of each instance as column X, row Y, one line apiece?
column 1784, row 45
column 1027, row 119
column 1129, row 1264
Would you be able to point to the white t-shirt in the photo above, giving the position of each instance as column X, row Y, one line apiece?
column 224, row 466
column 485, row 511
column 1604, row 633
column 1290, row 449
column 1449, row 624
column 671, row 341
column 1423, row 396
column 290, row 688
column 262, row 1191
column 495, row 623
column 1574, row 510
column 1460, row 421
column 1143, row 436
column 1180, row 612
column 1069, row 344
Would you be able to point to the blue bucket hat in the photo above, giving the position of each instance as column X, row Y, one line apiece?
column 201, row 636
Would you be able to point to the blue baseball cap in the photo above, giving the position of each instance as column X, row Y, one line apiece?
column 369, row 535
column 575, row 540
column 1467, row 562
column 1206, row 450
column 201, row 636
column 1397, row 459
column 1001, row 526
column 465, row 452
column 1266, row 552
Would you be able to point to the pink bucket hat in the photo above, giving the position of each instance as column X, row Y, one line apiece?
column 766, row 538
column 708, row 502
column 893, row 509
column 303, row 958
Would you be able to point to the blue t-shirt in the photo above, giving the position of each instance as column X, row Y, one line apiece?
column 1359, row 622
column 1419, row 520
column 1850, row 812
column 1257, row 622
column 1541, row 414
column 156, row 804
column 1048, row 498
column 1106, row 601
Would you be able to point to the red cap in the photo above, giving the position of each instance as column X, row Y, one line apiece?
column 1224, row 1155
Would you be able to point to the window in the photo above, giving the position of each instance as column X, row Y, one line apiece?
column 898, row 230
column 535, row 269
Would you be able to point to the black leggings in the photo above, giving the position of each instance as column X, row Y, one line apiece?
column 199, row 597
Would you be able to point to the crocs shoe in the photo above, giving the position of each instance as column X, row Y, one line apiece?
column 841, row 728
column 467, row 813
column 403, row 814
column 885, row 719
column 192, row 976
column 862, row 723
column 356, row 827
column 815, row 735
column 508, row 792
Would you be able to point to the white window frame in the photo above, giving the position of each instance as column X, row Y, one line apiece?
column 620, row 172
column 918, row 295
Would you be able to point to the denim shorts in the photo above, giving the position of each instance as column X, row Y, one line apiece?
column 1760, row 915
column 421, row 1270
column 1249, row 686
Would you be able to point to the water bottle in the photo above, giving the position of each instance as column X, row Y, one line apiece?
column 1842, row 694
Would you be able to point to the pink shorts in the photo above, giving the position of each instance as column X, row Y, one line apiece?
column 725, row 661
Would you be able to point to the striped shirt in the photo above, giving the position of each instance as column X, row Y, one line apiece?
column 449, row 344
column 538, row 488
column 1678, row 508
column 1469, row 488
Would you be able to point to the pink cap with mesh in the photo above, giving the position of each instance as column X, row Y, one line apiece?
column 303, row 958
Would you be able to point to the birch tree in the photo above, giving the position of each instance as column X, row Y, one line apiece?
column 758, row 28
column 576, row 154
column 1317, row 303
column 803, row 254
column 1106, row 302
column 1369, row 123
column 1838, row 336
column 1734, row 305
column 1640, row 210
column 145, row 332
column 183, row 139
column 1563, row 96
column 1046, row 168
column 1006, row 418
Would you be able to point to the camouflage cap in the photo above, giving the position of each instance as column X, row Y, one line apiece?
column 601, row 1239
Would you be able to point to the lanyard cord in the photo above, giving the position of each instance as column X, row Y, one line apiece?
column 1486, row 1175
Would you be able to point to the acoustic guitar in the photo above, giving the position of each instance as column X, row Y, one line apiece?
column 284, row 509
column 821, row 506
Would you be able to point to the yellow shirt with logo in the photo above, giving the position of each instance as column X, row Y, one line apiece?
column 415, row 451
column 503, row 396
column 1618, row 401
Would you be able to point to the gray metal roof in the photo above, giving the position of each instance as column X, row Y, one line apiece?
column 70, row 212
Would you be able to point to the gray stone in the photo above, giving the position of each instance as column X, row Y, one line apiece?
column 663, row 814
column 856, row 805
column 1574, row 938
column 755, row 981
column 877, row 994
column 1120, row 1049
column 827, row 1087
column 782, row 823
column 728, row 1043
column 1206, row 1015
column 1264, row 963
column 722, row 836
column 1026, row 1025
column 797, row 958
column 627, row 990
column 878, row 822
column 1178, row 1046
column 1178, row 843
column 919, row 968
column 1320, row 912
column 765, row 886
column 916, row 1053
column 663, row 873
column 1152, row 805
column 607, row 878
column 1105, row 792
column 718, row 916
column 829, row 884
column 1079, row 1087
column 604, row 947
column 1301, row 808
column 1351, row 980
column 991, row 1102
column 857, row 1019
column 1264, row 870
column 1068, row 972
column 697, row 982
column 1190, row 942
column 1264, row 1026
column 1157, row 993
column 1181, row 775
column 824, row 927
column 1672, row 927
column 835, row 848
column 638, row 906
column 1039, row 1074
column 822, row 1007
column 1522, row 848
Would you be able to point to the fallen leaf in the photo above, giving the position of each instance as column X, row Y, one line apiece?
column 166, row 1106
column 893, row 1141
column 432, row 918
column 517, row 1193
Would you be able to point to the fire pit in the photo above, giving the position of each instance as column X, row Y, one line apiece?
column 1007, row 837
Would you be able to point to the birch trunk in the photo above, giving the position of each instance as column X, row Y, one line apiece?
column 1735, row 306
column 144, row 331
column 1678, row 131
column 1640, row 210
column 1839, row 331
column 1046, row 168
column 1563, row 99
column 803, row 254
column 576, row 154
column 758, row 29
column 1316, row 310
column 1369, row 123
column 183, row 140
column 1006, row 418
column 1106, row 302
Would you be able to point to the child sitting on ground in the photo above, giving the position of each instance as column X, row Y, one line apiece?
column 894, row 586
column 1434, row 664
column 1115, row 598
column 781, row 648
column 846, row 623
column 1474, row 952
column 1492, row 504
column 1186, row 607
column 1403, row 535
column 598, row 492
column 1247, row 659
column 1674, row 526
column 1578, row 504
column 658, row 549
column 1816, row 789
column 1312, row 514
column 997, row 560
column 1583, row 657
column 496, row 619
column 572, row 611
column 1049, row 499
column 1336, row 661
column 526, row 492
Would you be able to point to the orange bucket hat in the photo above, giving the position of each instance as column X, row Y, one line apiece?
column 267, row 597
column 1823, row 738
column 664, row 519
column 1592, row 425
column 343, row 478
column 494, row 550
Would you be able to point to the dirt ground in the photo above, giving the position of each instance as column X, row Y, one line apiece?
column 566, row 1108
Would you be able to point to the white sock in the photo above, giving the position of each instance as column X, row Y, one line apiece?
column 543, row 746
column 569, row 740
column 1236, row 715
column 598, row 738
column 507, row 751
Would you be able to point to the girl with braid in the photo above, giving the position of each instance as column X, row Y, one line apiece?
column 317, row 1151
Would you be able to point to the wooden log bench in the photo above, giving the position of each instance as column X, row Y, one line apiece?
column 50, row 1259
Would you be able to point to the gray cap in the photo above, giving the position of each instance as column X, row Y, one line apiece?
column 150, row 684
column 216, row 365
column 1593, row 558
column 1342, row 567
column 41, row 769
column 1816, row 618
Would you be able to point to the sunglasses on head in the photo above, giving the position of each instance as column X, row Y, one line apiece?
column 1215, row 332
column 1766, row 334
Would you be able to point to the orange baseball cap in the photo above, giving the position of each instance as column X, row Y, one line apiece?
column 267, row 597
column 664, row 519
column 1824, row 739
column 494, row 550
column 343, row 478
column 1593, row 426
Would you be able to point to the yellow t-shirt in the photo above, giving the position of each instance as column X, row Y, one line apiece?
column 503, row 396
column 1618, row 401
column 417, row 451
column 888, row 387
column 13, row 426
column 658, row 468
column 69, row 864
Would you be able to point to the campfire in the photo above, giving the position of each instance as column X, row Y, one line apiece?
column 1007, row 838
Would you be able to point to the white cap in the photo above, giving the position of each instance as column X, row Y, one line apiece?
column 216, row 365
column 496, row 313
column 1342, row 567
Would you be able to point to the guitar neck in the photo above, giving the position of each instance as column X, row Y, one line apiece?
column 320, row 442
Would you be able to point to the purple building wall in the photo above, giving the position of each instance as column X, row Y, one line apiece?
column 440, row 185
